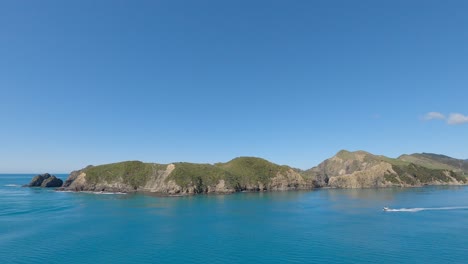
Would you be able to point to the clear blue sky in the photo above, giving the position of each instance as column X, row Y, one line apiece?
column 92, row 82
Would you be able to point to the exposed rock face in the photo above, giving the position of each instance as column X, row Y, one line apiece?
column 45, row 180
column 73, row 176
column 343, row 163
column 160, row 183
column 290, row 180
column 371, row 177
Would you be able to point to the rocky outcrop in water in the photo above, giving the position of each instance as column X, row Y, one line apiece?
column 45, row 180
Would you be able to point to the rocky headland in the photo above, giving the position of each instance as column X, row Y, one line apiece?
column 346, row 169
column 361, row 169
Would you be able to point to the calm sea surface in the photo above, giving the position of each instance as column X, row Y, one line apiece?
column 323, row 226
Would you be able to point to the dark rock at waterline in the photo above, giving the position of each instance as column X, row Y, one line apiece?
column 52, row 182
column 45, row 180
column 37, row 180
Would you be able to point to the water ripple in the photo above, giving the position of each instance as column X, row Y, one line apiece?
column 326, row 226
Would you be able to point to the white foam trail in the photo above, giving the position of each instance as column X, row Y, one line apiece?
column 427, row 209
column 109, row 193
column 103, row 192
column 11, row 185
column 92, row 192
column 405, row 210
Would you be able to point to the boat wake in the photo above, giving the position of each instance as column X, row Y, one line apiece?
column 426, row 209
column 103, row 192
column 11, row 185
column 91, row 192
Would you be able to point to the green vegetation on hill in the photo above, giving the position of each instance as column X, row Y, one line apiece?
column 413, row 173
column 436, row 161
column 396, row 162
column 251, row 170
column 133, row 173
column 237, row 173
column 391, row 177
column 200, row 175
column 356, row 156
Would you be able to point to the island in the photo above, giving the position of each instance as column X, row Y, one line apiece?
column 358, row 169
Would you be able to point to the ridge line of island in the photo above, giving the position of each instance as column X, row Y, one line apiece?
column 358, row 169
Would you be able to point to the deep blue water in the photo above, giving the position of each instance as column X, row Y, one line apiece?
column 323, row 226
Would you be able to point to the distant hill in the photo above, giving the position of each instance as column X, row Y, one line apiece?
column 361, row 169
column 437, row 161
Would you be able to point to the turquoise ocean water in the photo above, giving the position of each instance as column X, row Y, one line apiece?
column 323, row 226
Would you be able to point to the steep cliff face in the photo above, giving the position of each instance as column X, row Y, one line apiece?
column 363, row 170
column 246, row 173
